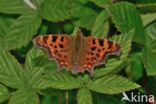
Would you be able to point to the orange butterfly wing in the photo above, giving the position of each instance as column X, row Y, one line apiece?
column 77, row 53
column 57, row 46
column 97, row 51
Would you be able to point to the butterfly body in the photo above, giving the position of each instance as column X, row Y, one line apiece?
column 77, row 53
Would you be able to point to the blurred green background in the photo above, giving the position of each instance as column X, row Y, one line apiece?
column 23, row 68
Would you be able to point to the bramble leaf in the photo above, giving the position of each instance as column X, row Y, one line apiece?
column 149, row 55
column 101, row 25
column 149, row 51
column 150, row 33
column 14, row 7
column 62, row 81
column 84, row 96
column 22, row 30
column 4, row 93
column 57, row 10
column 11, row 72
column 81, row 16
column 148, row 18
column 102, row 3
column 33, row 71
column 126, row 17
column 5, row 21
column 111, row 84
column 24, row 97
column 135, row 66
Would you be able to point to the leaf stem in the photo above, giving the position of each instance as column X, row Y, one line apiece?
column 67, row 97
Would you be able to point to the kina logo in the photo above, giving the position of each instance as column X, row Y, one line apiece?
column 137, row 97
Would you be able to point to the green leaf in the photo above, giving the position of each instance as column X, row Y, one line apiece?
column 22, row 30
column 62, row 81
column 149, row 52
column 33, row 70
column 83, row 1
column 111, row 84
column 11, row 72
column 150, row 33
column 33, row 59
column 24, row 97
column 5, row 22
column 126, row 17
column 38, row 58
column 37, row 2
column 101, row 25
column 14, row 7
column 57, row 10
column 125, row 40
column 114, row 65
column 148, row 18
column 4, row 93
column 82, row 14
column 149, row 58
column 84, row 96
column 135, row 67
column 102, row 3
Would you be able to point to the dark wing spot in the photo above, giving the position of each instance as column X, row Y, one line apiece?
column 45, row 39
column 54, row 38
column 51, row 44
column 98, row 50
column 55, row 51
column 87, row 58
column 93, row 41
column 92, row 53
column 93, row 48
column 101, row 42
column 97, row 55
column 62, row 38
column 110, row 44
column 61, row 45
column 55, row 46
column 92, row 59
column 65, row 56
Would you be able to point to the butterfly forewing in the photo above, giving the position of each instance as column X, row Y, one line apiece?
column 57, row 46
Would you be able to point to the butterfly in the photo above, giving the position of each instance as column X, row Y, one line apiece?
column 77, row 53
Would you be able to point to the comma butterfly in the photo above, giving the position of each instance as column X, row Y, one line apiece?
column 77, row 53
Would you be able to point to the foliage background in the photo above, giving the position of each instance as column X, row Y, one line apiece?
column 28, row 77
